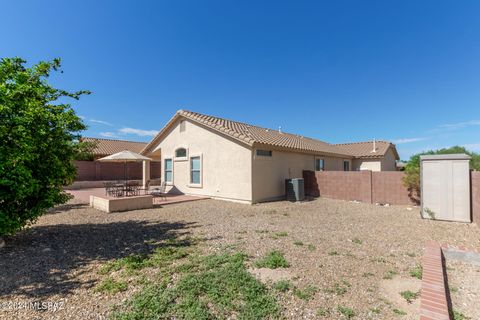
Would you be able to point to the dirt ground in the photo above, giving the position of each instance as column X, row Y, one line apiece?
column 356, row 255
column 464, row 285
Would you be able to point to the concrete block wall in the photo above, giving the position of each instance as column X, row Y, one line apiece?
column 475, row 190
column 100, row 171
column 365, row 186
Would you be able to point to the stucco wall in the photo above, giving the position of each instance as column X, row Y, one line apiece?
column 372, row 165
column 226, row 164
column 269, row 173
column 389, row 162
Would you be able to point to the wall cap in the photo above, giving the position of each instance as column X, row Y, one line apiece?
column 455, row 156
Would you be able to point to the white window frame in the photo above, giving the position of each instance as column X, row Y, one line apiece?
column 180, row 158
column 321, row 161
column 169, row 183
column 190, row 184
column 346, row 161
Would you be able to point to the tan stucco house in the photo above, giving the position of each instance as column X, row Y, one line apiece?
column 225, row 159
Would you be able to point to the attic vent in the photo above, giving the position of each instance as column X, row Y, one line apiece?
column 182, row 126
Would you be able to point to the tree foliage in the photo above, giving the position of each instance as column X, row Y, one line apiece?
column 412, row 169
column 38, row 137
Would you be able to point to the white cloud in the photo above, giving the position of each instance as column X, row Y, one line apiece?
column 109, row 134
column 408, row 140
column 138, row 132
column 459, row 125
column 101, row 122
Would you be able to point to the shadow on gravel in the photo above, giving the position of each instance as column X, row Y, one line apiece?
column 37, row 262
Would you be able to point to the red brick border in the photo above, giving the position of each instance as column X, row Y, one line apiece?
column 433, row 298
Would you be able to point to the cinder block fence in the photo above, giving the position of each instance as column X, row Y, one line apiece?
column 365, row 186
column 103, row 171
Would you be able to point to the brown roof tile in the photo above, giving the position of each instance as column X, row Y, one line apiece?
column 106, row 147
column 364, row 149
column 250, row 135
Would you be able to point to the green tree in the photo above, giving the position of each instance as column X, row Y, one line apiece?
column 412, row 169
column 39, row 137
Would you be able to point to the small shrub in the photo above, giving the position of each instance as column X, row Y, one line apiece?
column 322, row 312
column 305, row 294
column 375, row 310
column 417, row 272
column 298, row 243
column 347, row 312
column 282, row 285
column 357, row 241
column 390, row 274
column 457, row 315
column 280, row 234
column 411, row 254
column 273, row 260
column 338, row 289
column 333, row 253
column 409, row 295
column 111, row 286
column 311, row 247
column 367, row 274
column 399, row 312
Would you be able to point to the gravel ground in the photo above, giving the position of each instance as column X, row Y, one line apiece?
column 329, row 244
column 464, row 284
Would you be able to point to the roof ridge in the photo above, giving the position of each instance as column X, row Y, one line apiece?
column 358, row 142
column 105, row 139
column 249, row 125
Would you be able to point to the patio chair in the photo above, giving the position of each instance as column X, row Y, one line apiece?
column 160, row 192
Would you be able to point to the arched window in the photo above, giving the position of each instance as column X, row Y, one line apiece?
column 181, row 153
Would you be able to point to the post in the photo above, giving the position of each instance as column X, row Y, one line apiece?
column 146, row 173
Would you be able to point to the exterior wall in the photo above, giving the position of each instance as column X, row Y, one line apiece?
column 226, row 164
column 475, row 181
column 387, row 187
column 269, row 173
column 101, row 171
column 363, row 164
column 365, row 186
column 387, row 163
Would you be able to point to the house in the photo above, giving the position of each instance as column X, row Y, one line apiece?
column 106, row 147
column 225, row 159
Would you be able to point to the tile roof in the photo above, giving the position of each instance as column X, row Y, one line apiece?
column 364, row 149
column 105, row 147
column 250, row 135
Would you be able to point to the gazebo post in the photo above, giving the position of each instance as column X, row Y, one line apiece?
column 146, row 173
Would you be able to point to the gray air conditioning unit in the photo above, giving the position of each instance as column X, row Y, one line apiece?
column 294, row 189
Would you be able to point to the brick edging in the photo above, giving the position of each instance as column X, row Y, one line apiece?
column 433, row 297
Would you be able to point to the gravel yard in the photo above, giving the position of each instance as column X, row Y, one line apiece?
column 346, row 259
column 464, row 285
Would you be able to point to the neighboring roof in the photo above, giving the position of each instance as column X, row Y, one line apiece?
column 364, row 149
column 252, row 135
column 105, row 147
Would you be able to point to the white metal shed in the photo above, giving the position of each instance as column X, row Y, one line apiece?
column 445, row 187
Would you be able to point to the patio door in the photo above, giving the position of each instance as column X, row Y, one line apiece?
column 181, row 175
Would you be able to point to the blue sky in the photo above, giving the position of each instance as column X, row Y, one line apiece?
column 404, row 71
